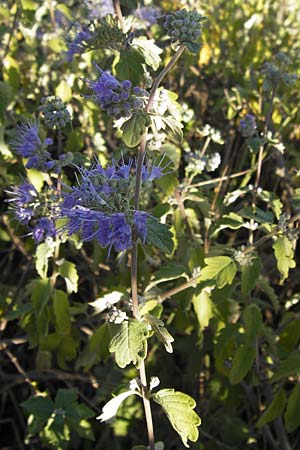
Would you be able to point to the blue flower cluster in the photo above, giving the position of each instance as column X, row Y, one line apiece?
column 118, row 99
column 99, row 207
column 79, row 44
column 248, row 126
column 28, row 208
column 29, row 145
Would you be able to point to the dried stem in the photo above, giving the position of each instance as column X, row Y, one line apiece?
column 134, row 255
column 119, row 14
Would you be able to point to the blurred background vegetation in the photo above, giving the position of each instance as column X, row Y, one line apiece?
column 215, row 88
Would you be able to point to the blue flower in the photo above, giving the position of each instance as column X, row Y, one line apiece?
column 43, row 229
column 248, row 126
column 140, row 222
column 23, row 200
column 117, row 98
column 121, row 232
column 29, row 145
column 79, row 44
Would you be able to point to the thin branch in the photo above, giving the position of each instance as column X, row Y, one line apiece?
column 134, row 255
column 119, row 14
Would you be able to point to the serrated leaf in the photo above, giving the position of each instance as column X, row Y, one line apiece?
column 284, row 253
column 232, row 220
column 130, row 343
column 134, row 129
column 288, row 367
column 179, row 408
column 253, row 322
column 130, row 66
column 220, row 269
column 43, row 252
column 39, row 406
column 274, row 410
column 160, row 331
column 166, row 273
column 149, row 50
column 193, row 47
column 110, row 409
column 65, row 397
column 68, row 271
column 159, row 235
column 61, row 310
column 202, row 303
column 241, row 363
column 292, row 416
column 250, row 275
column 174, row 125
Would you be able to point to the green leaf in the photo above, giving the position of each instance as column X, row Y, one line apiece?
column 65, row 397
column 274, row 410
column 158, row 446
column 174, row 125
column 110, row 409
column 166, row 273
column 130, row 4
column 99, row 342
column 179, row 409
column 202, row 303
column 61, row 312
column 250, row 275
column 160, row 332
column 220, row 269
column 288, row 367
column 159, row 235
column 232, row 220
column 284, row 253
column 149, row 50
column 193, row 47
column 130, row 66
column 130, row 343
column 44, row 251
column 39, row 406
column 292, row 416
column 5, row 98
column 63, row 90
column 253, row 322
column 241, row 363
column 68, row 271
column 134, row 129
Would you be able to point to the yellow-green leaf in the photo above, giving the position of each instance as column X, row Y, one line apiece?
column 179, row 408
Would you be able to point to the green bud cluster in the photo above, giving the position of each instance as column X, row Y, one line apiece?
column 106, row 33
column 185, row 27
column 276, row 73
column 55, row 112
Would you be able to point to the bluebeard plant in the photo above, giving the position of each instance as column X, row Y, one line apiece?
column 185, row 27
column 99, row 207
column 29, row 145
column 118, row 99
column 34, row 210
column 55, row 112
column 248, row 126
column 102, row 32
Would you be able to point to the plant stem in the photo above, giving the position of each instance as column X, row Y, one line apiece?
column 119, row 14
column 134, row 253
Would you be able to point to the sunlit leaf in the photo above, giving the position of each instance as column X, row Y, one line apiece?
column 179, row 408
column 130, row 342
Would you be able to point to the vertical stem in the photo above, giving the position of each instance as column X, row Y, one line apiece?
column 260, row 160
column 134, row 255
column 58, row 187
column 119, row 14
